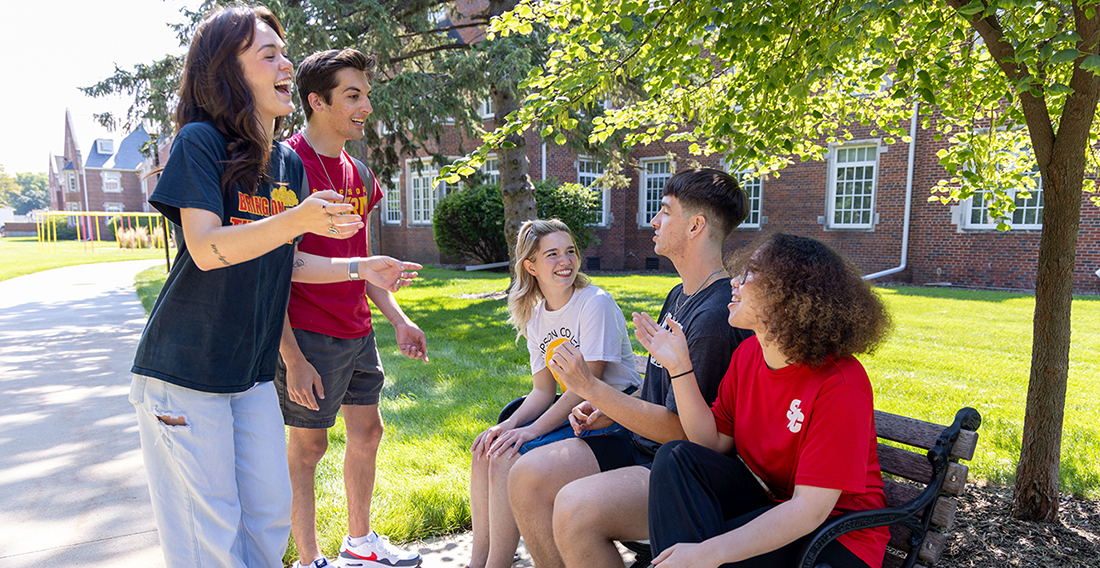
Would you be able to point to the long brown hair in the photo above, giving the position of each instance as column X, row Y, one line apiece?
column 213, row 89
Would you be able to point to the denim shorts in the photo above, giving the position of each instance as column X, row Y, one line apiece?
column 565, row 431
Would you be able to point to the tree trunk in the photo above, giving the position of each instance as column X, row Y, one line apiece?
column 1036, row 497
column 516, row 189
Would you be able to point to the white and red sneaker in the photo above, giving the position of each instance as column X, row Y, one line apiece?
column 377, row 552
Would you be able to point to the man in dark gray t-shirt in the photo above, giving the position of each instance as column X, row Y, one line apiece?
column 573, row 499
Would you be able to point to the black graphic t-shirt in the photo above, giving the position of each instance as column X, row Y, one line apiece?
column 711, row 341
column 218, row 331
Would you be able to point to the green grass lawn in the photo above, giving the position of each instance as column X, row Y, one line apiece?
column 949, row 348
column 25, row 255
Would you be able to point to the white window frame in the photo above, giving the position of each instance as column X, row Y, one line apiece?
column 104, row 146
column 486, row 110
column 588, row 179
column 107, row 177
column 113, row 208
column 391, row 201
column 753, row 186
column 649, row 205
column 423, row 194
column 491, row 168
column 1034, row 205
column 865, row 212
column 70, row 182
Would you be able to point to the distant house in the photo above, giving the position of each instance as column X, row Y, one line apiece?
column 111, row 178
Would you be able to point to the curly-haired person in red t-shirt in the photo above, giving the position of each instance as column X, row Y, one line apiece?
column 790, row 440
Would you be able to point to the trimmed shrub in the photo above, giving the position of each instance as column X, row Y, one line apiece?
column 469, row 223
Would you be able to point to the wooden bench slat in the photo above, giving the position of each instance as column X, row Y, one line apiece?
column 930, row 549
column 915, row 467
column 922, row 434
column 943, row 514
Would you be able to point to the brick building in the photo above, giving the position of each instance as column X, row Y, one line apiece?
column 110, row 179
column 867, row 199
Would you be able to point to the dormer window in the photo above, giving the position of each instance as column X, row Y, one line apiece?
column 105, row 146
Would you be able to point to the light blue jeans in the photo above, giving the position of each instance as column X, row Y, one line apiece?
column 220, row 485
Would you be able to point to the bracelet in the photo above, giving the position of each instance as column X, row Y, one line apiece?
column 353, row 269
column 687, row 372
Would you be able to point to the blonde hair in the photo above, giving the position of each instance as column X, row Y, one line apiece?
column 525, row 294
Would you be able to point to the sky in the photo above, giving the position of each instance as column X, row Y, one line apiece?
column 50, row 48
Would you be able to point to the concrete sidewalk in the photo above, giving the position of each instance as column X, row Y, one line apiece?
column 72, row 483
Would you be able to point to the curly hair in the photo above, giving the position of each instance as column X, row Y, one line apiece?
column 814, row 302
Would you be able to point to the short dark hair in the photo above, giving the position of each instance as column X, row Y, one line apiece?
column 317, row 74
column 815, row 303
column 713, row 193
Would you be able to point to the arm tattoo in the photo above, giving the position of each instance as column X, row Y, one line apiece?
column 298, row 264
column 220, row 257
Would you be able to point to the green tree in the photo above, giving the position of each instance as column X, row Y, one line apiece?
column 768, row 81
column 430, row 80
column 34, row 192
column 9, row 190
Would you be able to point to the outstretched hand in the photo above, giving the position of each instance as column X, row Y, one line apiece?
column 387, row 272
column 668, row 346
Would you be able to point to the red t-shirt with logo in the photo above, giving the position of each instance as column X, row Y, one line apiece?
column 802, row 426
column 338, row 309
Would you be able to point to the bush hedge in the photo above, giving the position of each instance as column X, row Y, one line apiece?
column 469, row 223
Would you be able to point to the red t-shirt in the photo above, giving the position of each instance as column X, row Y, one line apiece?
column 339, row 309
column 802, row 426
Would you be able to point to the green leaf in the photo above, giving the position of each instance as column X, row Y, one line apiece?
column 559, row 139
column 1065, row 56
column 626, row 24
column 1092, row 64
column 1060, row 89
column 975, row 7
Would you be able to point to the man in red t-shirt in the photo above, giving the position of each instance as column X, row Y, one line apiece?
column 329, row 358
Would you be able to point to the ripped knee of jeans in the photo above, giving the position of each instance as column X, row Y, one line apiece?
column 171, row 419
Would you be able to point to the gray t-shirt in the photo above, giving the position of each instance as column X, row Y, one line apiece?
column 711, row 341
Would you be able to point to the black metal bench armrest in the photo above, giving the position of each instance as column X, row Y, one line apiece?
column 915, row 515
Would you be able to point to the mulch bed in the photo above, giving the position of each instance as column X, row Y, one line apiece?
column 986, row 536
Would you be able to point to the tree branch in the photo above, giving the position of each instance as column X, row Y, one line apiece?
column 1034, row 107
column 435, row 49
column 473, row 24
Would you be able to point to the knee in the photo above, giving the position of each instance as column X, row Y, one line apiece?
column 308, row 451
column 573, row 512
column 499, row 467
column 525, row 481
column 672, row 456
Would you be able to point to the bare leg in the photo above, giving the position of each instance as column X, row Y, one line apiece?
column 503, row 533
column 479, row 509
column 591, row 513
column 304, row 451
column 532, row 487
column 364, row 424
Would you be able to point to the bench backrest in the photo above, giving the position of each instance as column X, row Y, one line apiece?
column 907, row 472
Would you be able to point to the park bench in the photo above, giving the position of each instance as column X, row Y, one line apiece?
column 920, row 485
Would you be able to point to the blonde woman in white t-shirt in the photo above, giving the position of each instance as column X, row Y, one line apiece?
column 550, row 303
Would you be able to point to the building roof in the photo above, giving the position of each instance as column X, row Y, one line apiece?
column 68, row 166
column 127, row 154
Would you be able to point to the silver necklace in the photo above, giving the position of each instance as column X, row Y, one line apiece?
column 322, row 162
column 683, row 300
